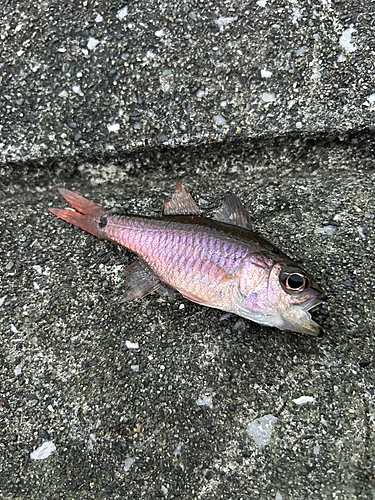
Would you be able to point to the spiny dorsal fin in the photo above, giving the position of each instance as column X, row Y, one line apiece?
column 233, row 212
column 181, row 203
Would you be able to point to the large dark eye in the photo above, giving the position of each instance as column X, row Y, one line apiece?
column 294, row 281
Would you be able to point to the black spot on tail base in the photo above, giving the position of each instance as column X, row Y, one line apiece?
column 103, row 221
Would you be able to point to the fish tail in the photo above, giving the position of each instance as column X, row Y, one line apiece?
column 87, row 215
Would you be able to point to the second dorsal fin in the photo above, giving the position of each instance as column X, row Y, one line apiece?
column 181, row 203
column 233, row 212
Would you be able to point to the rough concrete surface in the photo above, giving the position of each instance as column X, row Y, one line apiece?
column 168, row 399
column 100, row 77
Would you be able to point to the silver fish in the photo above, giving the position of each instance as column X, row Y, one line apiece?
column 218, row 263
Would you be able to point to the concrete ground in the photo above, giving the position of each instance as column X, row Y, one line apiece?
column 169, row 399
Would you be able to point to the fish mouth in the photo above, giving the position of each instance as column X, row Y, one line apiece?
column 298, row 318
column 313, row 302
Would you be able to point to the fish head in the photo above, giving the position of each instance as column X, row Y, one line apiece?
column 294, row 292
column 279, row 295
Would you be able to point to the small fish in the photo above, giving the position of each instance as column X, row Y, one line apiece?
column 216, row 262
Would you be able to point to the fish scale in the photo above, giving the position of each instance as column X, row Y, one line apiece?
column 218, row 263
column 184, row 260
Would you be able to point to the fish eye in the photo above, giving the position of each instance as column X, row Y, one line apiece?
column 294, row 281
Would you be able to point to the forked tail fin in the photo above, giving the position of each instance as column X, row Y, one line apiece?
column 86, row 214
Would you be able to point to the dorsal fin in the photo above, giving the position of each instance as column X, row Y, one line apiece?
column 181, row 203
column 233, row 212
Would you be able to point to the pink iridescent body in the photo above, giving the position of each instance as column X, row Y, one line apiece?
column 203, row 266
column 218, row 263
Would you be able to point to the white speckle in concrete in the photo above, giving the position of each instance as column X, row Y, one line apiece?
column 164, row 490
column 219, row 119
column 303, row 400
column 13, row 329
column 128, row 463
column 135, row 368
column 268, row 97
column 177, row 450
column 262, row 3
column 291, row 103
column 44, row 451
column 92, row 43
column 38, row 269
column 206, row 401
column 223, row 21
column 77, row 90
column 260, row 429
column 299, row 125
column 238, row 325
column 225, row 316
column 361, row 233
column 203, row 202
column 98, row 18
column 316, row 450
column 113, row 127
column 17, row 370
column 2, row 299
column 278, row 496
column 200, row 93
column 132, row 345
column 159, row 33
column 341, row 58
column 265, row 74
column 91, row 441
column 329, row 230
column 296, row 14
column 371, row 98
column 122, row 13
column 35, row 285
column 345, row 40
column 301, row 50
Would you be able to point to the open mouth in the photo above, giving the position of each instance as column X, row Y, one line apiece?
column 313, row 302
column 300, row 319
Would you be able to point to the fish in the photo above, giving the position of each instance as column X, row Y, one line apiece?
column 220, row 263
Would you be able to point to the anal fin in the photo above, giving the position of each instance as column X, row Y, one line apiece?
column 141, row 281
column 233, row 212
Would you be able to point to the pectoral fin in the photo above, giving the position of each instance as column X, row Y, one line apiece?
column 233, row 212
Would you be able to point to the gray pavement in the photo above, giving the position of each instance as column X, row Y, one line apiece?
column 168, row 399
column 103, row 78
